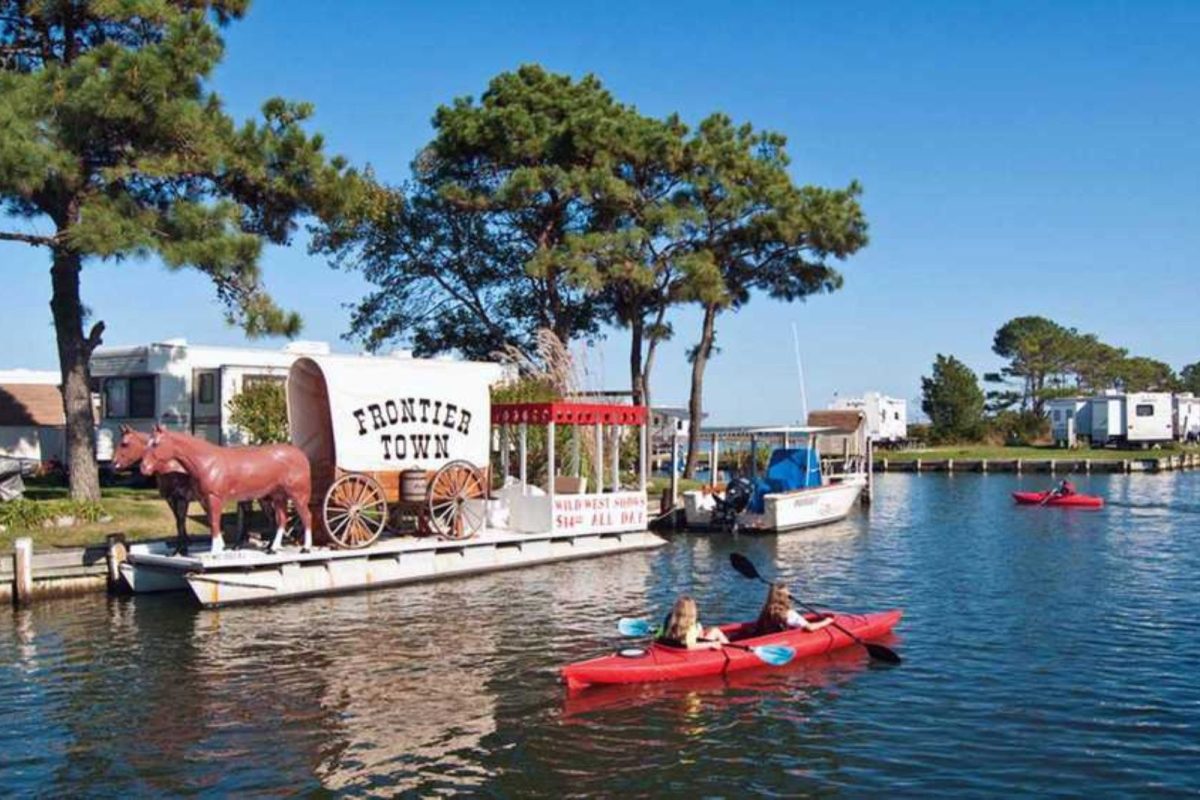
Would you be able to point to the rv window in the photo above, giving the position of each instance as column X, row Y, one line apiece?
column 207, row 391
column 141, row 397
column 1145, row 410
column 116, row 398
column 126, row 398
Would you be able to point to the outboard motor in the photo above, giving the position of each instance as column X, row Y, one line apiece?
column 736, row 500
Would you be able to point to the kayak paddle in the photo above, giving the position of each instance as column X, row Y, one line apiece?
column 876, row 651
column 774, row 654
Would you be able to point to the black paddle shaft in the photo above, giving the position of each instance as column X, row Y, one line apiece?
column 746, row 567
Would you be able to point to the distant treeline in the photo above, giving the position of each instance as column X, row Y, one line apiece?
column 1045, row 360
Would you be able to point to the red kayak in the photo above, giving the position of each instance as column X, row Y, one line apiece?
column 1068, row 500
column 659, row 662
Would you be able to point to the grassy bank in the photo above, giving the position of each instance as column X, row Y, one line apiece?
column 139, row 513
column 973, row 452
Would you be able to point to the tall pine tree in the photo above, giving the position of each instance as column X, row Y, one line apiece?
column 109, row 133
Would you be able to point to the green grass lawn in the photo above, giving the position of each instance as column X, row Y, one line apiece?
column 972, row 452
column 137, row 512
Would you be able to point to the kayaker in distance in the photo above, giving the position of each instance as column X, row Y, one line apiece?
column 1065, row 489
column 682, row 628
column 778, row 615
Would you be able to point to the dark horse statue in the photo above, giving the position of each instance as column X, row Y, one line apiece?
column 279, row 472
column 174, row 484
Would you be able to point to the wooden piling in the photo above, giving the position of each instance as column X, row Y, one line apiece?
column 22, row 571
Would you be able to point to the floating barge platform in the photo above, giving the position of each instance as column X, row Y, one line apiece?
column 254, row 576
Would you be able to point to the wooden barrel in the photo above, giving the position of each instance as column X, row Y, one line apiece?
column 414, row 485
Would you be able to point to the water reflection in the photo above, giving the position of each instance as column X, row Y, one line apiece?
column 1043, row 649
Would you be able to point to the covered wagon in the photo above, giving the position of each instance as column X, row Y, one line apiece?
column 387, row 436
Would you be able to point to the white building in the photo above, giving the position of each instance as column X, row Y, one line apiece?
column 183, row 386
column 32, row 423
column 886, row 417
column 1187, row 417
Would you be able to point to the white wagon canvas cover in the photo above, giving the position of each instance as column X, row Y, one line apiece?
column 387, row 415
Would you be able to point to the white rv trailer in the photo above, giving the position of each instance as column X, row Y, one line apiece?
column 886, row 417
column 1070, row 419
column 185, row 387
column 1149, row 417
column 1107, row 419
column 1187, row 417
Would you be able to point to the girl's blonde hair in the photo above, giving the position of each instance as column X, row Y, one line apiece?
column 682, row 619
column 774, row 615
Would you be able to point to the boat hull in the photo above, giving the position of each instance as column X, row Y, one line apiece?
column 663, row 663
column 785, row 511
column 1067, row 501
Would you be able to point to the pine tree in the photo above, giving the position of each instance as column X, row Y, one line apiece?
column 109, row 133
column 952, row 400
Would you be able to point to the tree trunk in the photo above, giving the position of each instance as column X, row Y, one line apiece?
column 73, row 353
column 695, row 401
column 647, row 397
column 636, row 385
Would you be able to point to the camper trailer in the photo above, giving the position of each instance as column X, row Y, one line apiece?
column 1187, row 417
column 183, row 386
column 1108, row 419
column 886, row 417
column 1070, row 420
column 1149, row 417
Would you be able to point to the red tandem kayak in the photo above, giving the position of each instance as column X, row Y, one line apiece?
column 659, row 662
column 1070, row 500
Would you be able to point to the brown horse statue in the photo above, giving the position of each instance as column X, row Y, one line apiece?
column 174, row 484
column 276, row 471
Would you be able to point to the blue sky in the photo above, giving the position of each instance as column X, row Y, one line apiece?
column 1017, row 158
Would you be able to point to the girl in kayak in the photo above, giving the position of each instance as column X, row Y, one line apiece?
column 778, row 615
column 682, row 628
column 1065, row 489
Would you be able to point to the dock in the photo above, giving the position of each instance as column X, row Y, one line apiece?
column 254, row 576
column 1043, row 465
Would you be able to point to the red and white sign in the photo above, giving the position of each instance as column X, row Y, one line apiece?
column 600, row 513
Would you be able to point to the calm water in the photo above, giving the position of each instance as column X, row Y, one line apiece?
column 1046, row 651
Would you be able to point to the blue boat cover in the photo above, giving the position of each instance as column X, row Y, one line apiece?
column 789, row 469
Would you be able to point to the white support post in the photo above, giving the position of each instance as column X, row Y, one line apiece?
column 616, row 457
column 671, row 466
column 576, row 452
column 786, row 441
column 599, row 458
column 714, row 461
column 503, row 454
column 550, row 470
column 524, row 462
column 644, row 455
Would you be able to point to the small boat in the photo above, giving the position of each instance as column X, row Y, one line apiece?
column 795, row 491
column 660, row 662
column 1068, row 500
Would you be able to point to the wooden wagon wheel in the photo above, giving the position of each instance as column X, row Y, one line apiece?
column 355, row 510
column 456, row 495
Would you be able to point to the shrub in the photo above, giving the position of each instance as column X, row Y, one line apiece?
column 260, row 410
column 23, row 514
